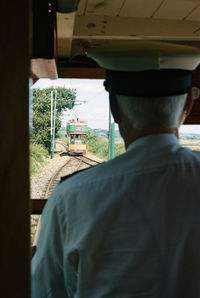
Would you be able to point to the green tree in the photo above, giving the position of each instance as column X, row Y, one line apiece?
column 41, row 131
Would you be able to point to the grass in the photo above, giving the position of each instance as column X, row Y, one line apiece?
column 38, row 158
column 190, row 142
column 99, row 147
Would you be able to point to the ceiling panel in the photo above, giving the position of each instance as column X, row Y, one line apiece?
column 139, row 8
column 105, row 7
column 195, row 15
column 176, row 9
column 124, row 27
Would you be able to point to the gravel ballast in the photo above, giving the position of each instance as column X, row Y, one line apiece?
column 39, row 181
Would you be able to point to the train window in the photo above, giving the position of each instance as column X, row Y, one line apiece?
column 84, row 129
column 78, row 141
column 190, row 136
column 72, row 139
column 83, row 138
column 82, row 105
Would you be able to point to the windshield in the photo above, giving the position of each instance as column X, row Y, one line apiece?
column 78, row 142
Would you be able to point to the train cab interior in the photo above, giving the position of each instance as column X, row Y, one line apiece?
column 49, row 39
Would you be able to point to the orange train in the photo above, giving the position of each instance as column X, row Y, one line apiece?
column 76, row 137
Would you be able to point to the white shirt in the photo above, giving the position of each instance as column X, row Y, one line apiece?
column 127, row 228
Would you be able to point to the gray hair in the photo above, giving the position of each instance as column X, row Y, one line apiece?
column 146, row 112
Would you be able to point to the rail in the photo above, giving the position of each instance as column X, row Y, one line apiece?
column 38, row 204
column 73, row 165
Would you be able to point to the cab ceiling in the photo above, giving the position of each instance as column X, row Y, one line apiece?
column 110, row 22
column 96, row 22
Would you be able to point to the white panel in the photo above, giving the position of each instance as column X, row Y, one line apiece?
column 195, row 15
column 104, row 7
column 139, row 8
column 127, row 28
column 81, row 7
column 65, row 28
column 176, row 9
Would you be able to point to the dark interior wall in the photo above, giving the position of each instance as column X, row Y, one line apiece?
column 14, row 162
column 43, row 17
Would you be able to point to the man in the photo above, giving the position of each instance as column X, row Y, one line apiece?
column 130, row 227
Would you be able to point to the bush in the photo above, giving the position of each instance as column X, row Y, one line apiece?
column 99, row 146
column 38, row 158
column 119, row 149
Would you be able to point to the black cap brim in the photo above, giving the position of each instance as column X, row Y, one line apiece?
column 151, row 83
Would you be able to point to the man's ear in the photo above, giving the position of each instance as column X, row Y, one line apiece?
column 114, row 108
column 188, row 104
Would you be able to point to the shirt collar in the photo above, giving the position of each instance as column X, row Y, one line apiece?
column 157, row 140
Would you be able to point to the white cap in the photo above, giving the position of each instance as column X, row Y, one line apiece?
column 147, row 68
column 145, row 55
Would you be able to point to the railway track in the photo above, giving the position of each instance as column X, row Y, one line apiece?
column 74, row 164
column 61, row 143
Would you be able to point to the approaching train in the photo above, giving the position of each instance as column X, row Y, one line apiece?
column 76, row 137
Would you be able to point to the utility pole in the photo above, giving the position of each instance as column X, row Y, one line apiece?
column 111, row 137
column 112, row 141
column 51, row 124
column 54, row 121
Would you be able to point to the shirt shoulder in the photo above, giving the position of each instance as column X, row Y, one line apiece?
column 73, row 174
column 88, row 172
column 94, row 174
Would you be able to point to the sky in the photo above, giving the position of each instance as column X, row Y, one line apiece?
column 92, row 100
column 92, row 103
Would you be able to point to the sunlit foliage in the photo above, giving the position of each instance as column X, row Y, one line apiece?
column 41, row 130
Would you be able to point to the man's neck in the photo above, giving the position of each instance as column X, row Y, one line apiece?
column 135, row 134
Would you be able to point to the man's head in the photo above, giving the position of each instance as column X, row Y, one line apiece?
column 144, row 112
column 137, row 116
column 149, row 85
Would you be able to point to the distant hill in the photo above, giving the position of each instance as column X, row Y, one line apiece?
column 62, row 131
column 189, row 136
column 103, row 133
